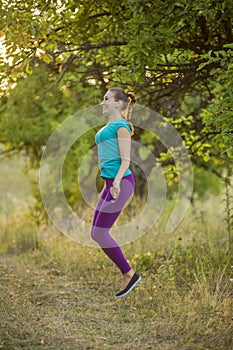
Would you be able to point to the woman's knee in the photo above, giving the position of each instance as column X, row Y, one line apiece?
column 98, row 233
column 94, row 234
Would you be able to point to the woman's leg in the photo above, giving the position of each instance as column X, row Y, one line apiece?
column 107, row 211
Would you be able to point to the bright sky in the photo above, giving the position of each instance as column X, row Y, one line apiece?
column 4, row 59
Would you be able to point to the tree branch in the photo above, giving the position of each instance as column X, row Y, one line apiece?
column 90, row 46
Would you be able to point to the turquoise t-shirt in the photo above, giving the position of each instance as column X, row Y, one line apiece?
column 108, row 148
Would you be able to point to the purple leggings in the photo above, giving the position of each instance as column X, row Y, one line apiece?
column 106, row 213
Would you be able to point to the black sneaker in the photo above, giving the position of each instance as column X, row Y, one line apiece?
column 132, row 283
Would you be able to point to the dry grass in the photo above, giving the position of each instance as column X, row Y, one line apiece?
column 47, row 309
column 56, row 294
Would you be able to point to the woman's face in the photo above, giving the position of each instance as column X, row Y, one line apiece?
column 110, row 106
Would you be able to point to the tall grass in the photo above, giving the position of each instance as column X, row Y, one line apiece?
column 184, row 300
column 202, row 236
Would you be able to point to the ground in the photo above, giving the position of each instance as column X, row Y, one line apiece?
column 46, row 309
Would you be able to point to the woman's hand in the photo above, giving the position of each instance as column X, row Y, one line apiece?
column 115, row 189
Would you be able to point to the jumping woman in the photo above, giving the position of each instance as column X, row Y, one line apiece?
column 114, row 143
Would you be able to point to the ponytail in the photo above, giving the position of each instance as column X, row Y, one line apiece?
column 129, row 100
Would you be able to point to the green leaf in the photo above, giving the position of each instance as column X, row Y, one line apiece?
column 47, row 58
column 29, row 69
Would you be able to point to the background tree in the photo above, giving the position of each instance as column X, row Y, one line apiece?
column 175, row 55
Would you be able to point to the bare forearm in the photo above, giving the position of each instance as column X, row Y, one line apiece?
column 121, row 172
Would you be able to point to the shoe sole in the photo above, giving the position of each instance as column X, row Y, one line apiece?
column 129, row 290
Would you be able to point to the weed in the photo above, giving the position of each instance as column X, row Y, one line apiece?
column 56, row 294
column 229, row 213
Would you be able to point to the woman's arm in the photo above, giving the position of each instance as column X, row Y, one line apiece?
column 124, row 142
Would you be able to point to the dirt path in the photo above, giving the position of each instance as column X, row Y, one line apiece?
column 44, row 309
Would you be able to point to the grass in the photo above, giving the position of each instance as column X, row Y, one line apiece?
column 45, row 308
column 57, row 294
column 14, row 184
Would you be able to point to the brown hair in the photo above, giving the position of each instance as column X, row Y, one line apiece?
column 129, row 100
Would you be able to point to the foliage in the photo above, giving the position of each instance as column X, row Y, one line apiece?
column 176, row 56
column 34, row 108
column 219, row 113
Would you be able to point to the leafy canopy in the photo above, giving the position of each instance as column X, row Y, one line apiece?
column 175, row 54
